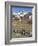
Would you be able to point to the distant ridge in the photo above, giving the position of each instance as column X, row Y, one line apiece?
column 24, row 13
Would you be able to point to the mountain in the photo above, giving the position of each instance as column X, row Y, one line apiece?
column 22, row 14
column 29, row 13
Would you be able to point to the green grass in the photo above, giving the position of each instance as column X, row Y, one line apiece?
column 17, row 35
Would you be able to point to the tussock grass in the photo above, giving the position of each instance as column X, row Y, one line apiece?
column 16, row 24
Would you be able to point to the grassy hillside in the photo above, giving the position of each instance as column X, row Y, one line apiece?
column 23, row 24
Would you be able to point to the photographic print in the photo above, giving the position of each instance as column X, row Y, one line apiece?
column 20, row 22
column 21, row 18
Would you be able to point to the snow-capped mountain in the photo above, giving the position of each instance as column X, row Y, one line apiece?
column 22, row 14
column 19, row 13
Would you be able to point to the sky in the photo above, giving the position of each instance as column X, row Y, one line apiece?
column 20, row 9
